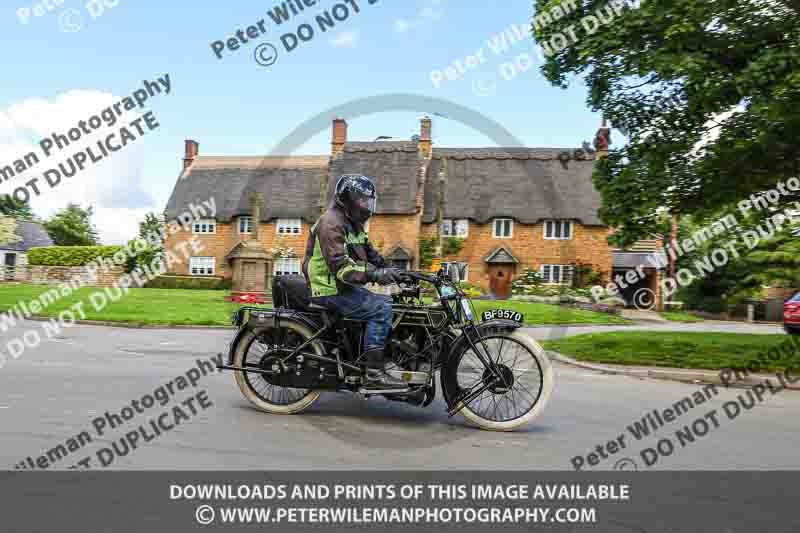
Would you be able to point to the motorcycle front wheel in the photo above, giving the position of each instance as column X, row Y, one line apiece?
column 255, row 349
column 525, row 388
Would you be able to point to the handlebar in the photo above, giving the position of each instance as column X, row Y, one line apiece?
column 419, row 276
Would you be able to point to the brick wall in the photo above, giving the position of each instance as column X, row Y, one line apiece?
column 227, row 236
column 387, row 231
column 588, row 246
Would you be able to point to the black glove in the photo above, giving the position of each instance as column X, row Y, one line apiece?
column 383, row 276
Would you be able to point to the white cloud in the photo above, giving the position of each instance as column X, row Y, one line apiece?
column 112, row 186
column 345, row 39
column 431, row 11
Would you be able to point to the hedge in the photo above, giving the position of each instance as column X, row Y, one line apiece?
column 69, row 256
column 189, row 282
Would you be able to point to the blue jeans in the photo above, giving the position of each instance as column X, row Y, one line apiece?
column 360, row 304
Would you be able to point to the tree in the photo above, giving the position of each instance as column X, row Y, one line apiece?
column 776, row 260
column 72, row 226
column 150, row 232
column 7, row 230
column 152, row 224
column 10, row 206
column 707, row 92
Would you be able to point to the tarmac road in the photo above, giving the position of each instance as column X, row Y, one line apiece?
column 54, row 392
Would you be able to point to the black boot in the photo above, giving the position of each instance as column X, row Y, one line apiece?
column 376, row 377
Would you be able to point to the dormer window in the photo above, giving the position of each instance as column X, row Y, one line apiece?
column 503, row 228
column 290, row 226
column 455, row 228
column 558, row 229
column 205, row 225
column 245, row 225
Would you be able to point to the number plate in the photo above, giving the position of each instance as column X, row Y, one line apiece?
column 506, row 314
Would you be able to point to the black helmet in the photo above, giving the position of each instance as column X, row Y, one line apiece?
column 356, row 195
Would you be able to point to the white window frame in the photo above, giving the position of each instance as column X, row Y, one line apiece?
column 207, row 266
column 550, row 230
column 450, row 227
column 289, row 226
column 248, row 225
column 466, row 273
column 447, row 227
column 566, row 273
column 204, row 226
column 510, row 228
column 284, row 266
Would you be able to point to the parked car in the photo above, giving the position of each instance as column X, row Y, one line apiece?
column 791, row 315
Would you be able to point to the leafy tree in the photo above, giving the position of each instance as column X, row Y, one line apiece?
column 776, row 261
column 707, row 92
column 7, row 227
column 10, row 206
column 72, row 226
column 152, row 224
column 150, row 233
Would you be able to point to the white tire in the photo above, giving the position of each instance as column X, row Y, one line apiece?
column 547, row 388
column 247, row 391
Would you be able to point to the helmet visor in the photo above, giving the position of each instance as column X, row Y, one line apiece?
column 365, row 203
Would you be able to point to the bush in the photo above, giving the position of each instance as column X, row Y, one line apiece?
column 527, row 283
column 472, row 290
column 145, row 254
column 189, row 282
column 69, row 256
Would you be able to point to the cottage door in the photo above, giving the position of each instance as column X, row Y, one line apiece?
column 500, row 277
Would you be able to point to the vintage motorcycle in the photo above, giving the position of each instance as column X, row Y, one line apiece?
column 494, row 375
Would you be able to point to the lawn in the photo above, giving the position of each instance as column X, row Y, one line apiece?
column 679, row 316
column 676, row 349
column 197, row 307
column 145, row 306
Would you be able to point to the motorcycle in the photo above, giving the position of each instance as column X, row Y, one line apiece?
column 494, row 375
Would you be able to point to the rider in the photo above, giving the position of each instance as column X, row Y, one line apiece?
column 340, row 260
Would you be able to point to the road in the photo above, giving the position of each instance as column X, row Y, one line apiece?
column 54, row 392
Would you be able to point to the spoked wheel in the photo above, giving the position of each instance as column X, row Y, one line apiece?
column 257, row 349
column 517, row 395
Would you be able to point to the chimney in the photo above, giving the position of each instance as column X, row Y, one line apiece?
column 191, row 151
column 425, row 140
column 256, row 201
column 602, row 140
column 339, row 136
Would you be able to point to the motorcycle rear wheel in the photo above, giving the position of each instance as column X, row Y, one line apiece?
column 529, row 374
column 255, row 388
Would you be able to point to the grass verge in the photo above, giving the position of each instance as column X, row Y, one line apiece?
column 708, row 350
column 203, row 307
column 680, row 316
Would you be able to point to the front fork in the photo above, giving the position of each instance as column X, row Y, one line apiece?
column 486, row 359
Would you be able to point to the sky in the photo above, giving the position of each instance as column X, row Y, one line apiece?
column 67, row 60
